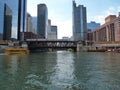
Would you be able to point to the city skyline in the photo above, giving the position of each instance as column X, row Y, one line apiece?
column 60, row 12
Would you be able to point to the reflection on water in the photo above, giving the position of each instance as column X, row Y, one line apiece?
column 64, row 70
column 12, row 63
column 60, row 70
column 10, row 72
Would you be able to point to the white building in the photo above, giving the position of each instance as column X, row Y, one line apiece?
column 51, row 31
column 29, row 25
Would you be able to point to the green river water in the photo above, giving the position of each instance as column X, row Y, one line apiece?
column 61, row 70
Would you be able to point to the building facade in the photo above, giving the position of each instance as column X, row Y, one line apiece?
column 79, row 22
column 34, row 22
column 53, row 34
column 29, row 24
column 51, row 31
column 22, row 15
column 89, row 35
column 7, row 23
column 42, row 20
column 108, row 34
column 65, row 38
column 30, row 35
column 92, row 25
column 12, row 18
column 48, row 29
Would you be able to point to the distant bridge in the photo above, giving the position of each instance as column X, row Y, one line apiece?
column 45, row 44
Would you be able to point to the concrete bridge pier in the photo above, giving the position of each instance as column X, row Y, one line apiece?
column 79, row 47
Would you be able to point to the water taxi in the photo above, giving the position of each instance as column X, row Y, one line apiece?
column 17, row 50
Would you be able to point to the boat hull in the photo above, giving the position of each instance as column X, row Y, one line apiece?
column 16, row 51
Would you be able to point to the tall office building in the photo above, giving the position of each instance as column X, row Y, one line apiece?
column 7, row 23
column 79, row 22
column 12, row 18
column 22, row 14
column 42, row 20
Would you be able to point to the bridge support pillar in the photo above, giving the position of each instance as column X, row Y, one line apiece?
column 79, row 47
column 50, row 49
column 75, row 49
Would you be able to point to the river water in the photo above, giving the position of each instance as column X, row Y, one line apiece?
column 61, row 70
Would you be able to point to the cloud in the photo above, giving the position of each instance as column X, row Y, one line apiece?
column 118, row 9
column 58, row 7
column 97, row 19
column 104, row 14
column 64, row 28
column 110, row 11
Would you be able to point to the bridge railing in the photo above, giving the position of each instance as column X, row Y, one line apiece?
column 50, row 43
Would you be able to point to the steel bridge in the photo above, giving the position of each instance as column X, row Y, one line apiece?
column 44, row 44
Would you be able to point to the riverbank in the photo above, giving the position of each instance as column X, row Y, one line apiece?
column 99, row 49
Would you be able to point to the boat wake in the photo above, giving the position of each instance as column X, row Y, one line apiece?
column 2, row 54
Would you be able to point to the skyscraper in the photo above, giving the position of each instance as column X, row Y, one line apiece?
column 42, row 20
column 22, row 14
column 12, row 18
column 7, row 23
column 79, row 22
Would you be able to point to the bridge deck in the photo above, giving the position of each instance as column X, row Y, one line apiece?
column 54, row 44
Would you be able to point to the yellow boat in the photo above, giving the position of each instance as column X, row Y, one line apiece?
column 16, row 51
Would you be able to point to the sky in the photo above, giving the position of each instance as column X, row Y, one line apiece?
column 60, row 12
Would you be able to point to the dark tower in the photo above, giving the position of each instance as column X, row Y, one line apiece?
column 42, row 20
column 21, row 18
column 7, row 23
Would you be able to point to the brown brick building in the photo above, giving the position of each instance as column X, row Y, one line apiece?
column 31, row 35
column 89, row 40
column 108, row 34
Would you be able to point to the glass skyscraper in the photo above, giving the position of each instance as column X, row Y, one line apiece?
column 34, row 22
column 93, row 25
column 79, row 22
column 7, row 23
column 12, row 18
column 42, row 20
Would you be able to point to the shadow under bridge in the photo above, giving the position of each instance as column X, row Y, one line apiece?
column 44, row 44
